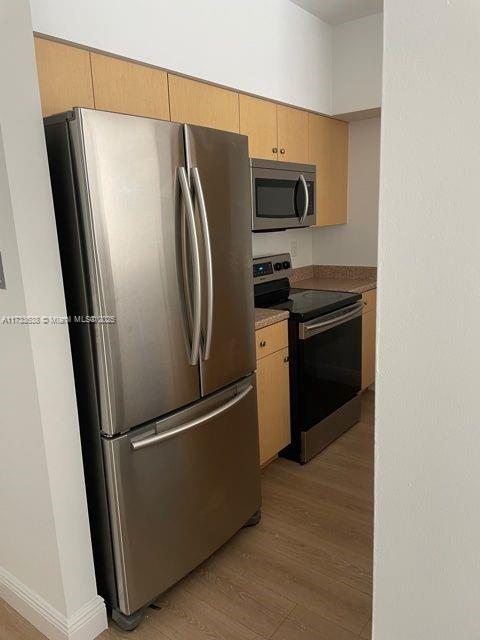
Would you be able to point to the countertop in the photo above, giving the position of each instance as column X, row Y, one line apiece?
column 266, row 317
column 335, row 278
column 337, row 284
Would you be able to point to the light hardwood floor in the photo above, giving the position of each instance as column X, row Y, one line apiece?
column 304, row 573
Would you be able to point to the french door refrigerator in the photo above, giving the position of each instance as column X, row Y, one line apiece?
column 153, row 220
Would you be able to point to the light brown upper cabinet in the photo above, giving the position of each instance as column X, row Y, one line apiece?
column 292, row 134
column 128, row 87
column 258, row 121
column 328, row 149
column 64, row 76
column 203, row 104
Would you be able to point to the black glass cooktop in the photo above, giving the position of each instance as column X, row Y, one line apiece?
column 305, row 304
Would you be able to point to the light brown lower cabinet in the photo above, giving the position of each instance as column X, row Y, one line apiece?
column 368, row 338
column 273, row 397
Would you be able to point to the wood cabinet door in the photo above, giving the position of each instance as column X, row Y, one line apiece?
column 292, row 134
column 328, row 149
column 258, row 121
column 368, row 348
column 64, row 76
column 128, row 87
column 200, row 103
column 273, row 393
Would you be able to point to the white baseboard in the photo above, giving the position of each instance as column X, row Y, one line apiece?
column 86, row 624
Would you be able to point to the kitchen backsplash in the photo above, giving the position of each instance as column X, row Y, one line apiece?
column 297, row 242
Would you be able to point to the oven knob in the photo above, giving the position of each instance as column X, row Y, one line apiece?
column 286, row 264
column 277, row 266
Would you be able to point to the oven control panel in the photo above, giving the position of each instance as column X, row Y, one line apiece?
column 275, row 267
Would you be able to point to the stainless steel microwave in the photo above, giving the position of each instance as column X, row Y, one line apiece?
column 283, row 195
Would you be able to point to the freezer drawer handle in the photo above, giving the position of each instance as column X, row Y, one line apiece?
column 171, row 433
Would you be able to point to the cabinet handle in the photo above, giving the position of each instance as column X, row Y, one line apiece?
column 263, row 343
column 275, row 150
column 282, row 151
column 286, row 359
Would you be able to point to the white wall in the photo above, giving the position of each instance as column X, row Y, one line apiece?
column 357, row 64
column 356, row 242
column 427, row 487
column 298, row 242
column 20, row 435
column 46, row 566
column 272, row 48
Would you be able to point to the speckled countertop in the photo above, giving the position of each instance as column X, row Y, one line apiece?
column 266, row 317
column 333, row 278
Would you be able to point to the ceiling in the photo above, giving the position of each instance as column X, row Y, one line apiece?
column 338, row 11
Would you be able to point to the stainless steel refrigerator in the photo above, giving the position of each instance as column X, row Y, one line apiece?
column 153, row 220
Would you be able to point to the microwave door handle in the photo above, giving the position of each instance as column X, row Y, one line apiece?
column 197, row 283
column 307, row 198
column 208, row 260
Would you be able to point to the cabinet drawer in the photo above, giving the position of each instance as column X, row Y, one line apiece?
column 271, row 339
column 369, row 300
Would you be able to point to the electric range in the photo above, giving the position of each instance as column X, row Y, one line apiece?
column 325, row 355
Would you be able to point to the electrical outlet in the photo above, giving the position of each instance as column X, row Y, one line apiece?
column 294, row 248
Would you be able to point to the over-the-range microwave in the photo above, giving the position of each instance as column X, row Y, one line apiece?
column 283, row 195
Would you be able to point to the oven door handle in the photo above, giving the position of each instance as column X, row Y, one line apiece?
column 350, row 312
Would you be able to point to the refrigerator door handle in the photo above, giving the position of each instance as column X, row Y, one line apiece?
column 197, row 283
column 208, row 260
column 175, row 431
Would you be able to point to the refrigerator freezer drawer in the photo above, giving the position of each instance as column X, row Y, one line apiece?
column 179, row 488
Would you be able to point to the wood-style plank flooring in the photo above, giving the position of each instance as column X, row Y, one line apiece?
column 304, row 573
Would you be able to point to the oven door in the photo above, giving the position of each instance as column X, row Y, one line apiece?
column 326, row 369
column 282, row 199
